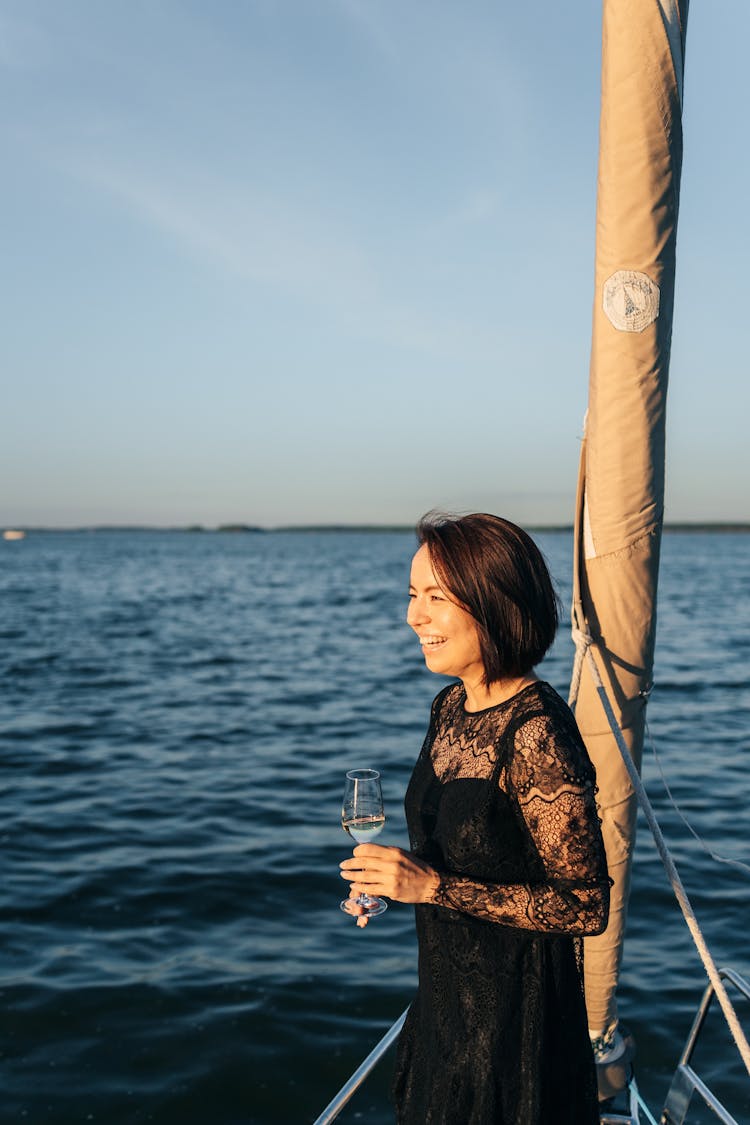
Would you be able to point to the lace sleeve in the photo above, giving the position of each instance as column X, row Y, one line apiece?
column 551, row 781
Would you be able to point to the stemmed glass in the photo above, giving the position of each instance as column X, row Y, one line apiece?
column 363, row 817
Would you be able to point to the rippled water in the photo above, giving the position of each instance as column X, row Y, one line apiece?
column 177, row 714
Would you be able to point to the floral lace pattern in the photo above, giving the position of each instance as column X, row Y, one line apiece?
column 531, row 748
column 502, row 804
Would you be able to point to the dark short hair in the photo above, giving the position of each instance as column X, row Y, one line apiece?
column 496, row 572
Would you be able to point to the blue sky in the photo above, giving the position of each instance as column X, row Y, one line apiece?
column 293, row 261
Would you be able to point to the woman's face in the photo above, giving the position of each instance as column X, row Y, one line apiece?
column 447, row 633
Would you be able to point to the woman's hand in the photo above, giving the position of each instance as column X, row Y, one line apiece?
column 376, row 870
column 351, row 906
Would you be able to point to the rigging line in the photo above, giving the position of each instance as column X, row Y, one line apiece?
column 674, row 877
column 582, row 640
column 714, row 855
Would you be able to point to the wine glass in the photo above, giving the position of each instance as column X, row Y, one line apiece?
column 363, row 817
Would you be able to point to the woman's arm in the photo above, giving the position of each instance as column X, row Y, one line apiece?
column 552, row 782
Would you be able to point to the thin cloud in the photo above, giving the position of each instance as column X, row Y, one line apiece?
column 240, row 233
column 278, row 245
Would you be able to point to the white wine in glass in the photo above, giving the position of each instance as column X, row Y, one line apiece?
column 363, row 817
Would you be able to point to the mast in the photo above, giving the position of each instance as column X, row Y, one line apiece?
column 620, row 504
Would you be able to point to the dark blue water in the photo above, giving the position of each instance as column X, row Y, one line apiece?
column 178, row 711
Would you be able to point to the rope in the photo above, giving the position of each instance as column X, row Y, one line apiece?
column 709, row 851
column 582, row 639
column 583, row 642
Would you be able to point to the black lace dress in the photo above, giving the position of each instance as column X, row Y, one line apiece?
column 501, row 802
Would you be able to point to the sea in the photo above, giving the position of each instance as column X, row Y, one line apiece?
column 177, row 714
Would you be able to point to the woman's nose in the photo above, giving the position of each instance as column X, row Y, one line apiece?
column 417, row 612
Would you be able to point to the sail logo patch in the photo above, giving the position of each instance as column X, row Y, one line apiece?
column 630, row 300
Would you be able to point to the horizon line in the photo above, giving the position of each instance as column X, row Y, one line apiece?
column 335, row 526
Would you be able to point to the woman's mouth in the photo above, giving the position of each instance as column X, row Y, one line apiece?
column 430, row 642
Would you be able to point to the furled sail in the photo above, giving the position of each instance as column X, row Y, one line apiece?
column 621, row 481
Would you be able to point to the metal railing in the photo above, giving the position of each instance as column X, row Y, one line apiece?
column 631, row 1115
column 686, row 1081
column 334, row 1107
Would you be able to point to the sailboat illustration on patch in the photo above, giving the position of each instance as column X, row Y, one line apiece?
column 630, row 300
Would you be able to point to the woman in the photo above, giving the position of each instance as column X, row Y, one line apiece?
column 507, row 867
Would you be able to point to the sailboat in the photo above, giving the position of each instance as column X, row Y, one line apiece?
column 619, row 517
column 620, row 496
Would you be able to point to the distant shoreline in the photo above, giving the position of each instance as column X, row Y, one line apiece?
column 719, row 527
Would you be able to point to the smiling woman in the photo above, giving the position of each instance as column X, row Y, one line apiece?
column 447, row 633
column 506, row 868
column 483, row 577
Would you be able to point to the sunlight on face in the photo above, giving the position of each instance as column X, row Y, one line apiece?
column 447, row 633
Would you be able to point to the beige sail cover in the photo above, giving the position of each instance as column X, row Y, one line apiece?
column 621, row 485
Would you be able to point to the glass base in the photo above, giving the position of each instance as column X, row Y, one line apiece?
column 364, row 906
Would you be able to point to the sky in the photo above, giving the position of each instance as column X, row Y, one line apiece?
column 290, row 261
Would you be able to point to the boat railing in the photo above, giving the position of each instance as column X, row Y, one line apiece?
column 334, row 1107
column 631, row 1113
column 686, row 1082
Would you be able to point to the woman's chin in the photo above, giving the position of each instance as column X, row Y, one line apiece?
column 436, row 662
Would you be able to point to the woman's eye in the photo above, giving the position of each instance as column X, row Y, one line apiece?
column 436, row 598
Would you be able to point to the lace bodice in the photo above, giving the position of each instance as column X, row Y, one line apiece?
column 502, row 805
column 525, row 851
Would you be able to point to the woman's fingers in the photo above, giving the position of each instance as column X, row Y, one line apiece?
column 351, row 906
column 368, row 875
column 354, row 866
column 369, row 871
column 372, row 857
column 372, row 851
column 368, row 865
column 389, row 871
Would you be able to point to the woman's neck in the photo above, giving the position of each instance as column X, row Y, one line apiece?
column 479, row 695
